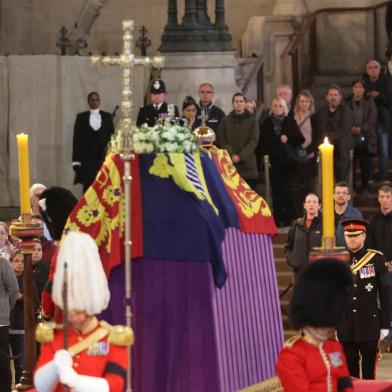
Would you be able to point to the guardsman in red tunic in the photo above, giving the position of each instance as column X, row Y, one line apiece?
column 92, row 356
column 314, row 361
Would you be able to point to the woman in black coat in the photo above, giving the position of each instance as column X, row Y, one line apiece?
column 277, row 131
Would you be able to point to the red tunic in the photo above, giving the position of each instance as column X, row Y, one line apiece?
column 306, row 367
column 103, row 359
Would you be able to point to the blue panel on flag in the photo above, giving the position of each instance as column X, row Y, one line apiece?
column 177, row 225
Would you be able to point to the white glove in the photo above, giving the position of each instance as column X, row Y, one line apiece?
column 63, row 358
column 68, row 377
column 384, row 333
column 79, row 383
column 46, row 377
column 88, row 384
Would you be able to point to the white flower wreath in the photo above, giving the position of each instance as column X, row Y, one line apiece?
column 165, row 137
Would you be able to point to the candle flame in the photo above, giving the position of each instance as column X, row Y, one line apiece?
column 326, row 141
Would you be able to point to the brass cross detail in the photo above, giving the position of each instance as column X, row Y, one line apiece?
column 127, row 61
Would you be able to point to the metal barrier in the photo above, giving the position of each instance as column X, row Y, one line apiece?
column 268, row 198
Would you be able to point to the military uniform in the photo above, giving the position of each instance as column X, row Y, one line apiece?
column 149, row 114
column 214, row 116
column 368, row 313
column 99, row 351
column 305, row 365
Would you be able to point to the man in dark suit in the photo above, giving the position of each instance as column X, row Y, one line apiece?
column 335, row 121
column 213, row 113
column 367, row 318
column 158, row 108
column 92, row 132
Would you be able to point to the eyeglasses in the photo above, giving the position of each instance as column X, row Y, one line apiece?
column 206, row 92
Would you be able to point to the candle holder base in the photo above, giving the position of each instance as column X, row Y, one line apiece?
column 338, row 253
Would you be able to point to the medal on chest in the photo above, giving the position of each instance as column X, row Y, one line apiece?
column 336, row 359
column 367, row 272
column 99, row 349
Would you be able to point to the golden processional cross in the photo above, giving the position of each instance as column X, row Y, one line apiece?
column 127, row 61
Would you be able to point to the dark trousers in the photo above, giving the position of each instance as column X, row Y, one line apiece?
column 341, row 167
column 282, row 201
column 368, row 353
column 362, row 154
column 383, row 149
column 252, row 182
column 5, row 368
column 17, row 348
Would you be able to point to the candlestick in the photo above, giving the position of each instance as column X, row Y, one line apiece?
column 326, row 150
column 24, row 173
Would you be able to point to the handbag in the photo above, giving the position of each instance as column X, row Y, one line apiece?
column 296, row 154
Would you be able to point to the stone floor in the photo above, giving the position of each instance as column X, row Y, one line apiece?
column 384, row 367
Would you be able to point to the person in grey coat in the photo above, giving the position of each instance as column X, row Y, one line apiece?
column 239, row 134
column 9, row 291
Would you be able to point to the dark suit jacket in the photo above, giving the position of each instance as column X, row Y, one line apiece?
column 89, row 146
column 148, row 114
column 337, row 126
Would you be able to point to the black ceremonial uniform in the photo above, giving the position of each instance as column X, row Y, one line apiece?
column 148, row 114
column 368, row 313
column 214, row 116
column 90, row 146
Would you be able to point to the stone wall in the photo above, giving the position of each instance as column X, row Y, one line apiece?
column 31, row 26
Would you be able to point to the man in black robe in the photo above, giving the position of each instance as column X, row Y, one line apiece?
column 92, row 132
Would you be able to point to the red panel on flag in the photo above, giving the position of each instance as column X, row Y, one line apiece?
column 254, row 215
column 101, row 212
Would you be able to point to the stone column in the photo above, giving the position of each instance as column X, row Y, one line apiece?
column 220, row 13
column 190, row 15
column 290, row 7
column 196, row 33
column 202, row 14
column 172, row 13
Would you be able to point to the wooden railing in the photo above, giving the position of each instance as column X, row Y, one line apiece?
column 303, row 66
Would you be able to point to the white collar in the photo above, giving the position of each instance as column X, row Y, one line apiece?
column 94, row 111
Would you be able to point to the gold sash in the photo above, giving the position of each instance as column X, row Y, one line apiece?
column 95, row 337
column 362, row 262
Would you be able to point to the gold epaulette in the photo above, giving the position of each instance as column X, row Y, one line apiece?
column 290, row 342
column 119, row 335
column 375, row 251
column 44, row 333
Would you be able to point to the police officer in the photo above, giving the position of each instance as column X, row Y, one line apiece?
column 158, row 108
column 367, row 318
column 206, row 108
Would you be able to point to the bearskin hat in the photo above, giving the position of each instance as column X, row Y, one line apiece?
column 321, row 294
column 56, row 204
column 87, row 285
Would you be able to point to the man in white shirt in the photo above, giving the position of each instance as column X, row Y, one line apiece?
column 92, row 132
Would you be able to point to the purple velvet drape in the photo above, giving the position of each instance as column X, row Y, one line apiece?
column 194, row 337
